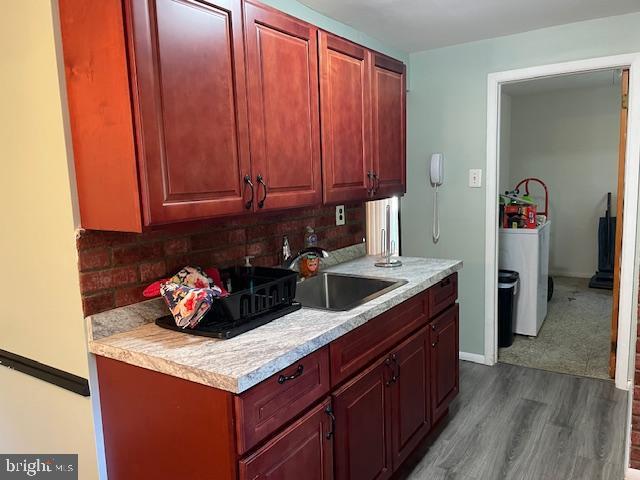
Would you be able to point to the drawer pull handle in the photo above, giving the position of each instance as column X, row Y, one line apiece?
column 446, row 282
column 284, row 378
column 329, row 411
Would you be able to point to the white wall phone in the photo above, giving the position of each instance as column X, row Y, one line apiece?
column 436, row 176
column 436, row 169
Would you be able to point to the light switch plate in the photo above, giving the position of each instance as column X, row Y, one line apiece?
column 341, row 216
column 475, row 178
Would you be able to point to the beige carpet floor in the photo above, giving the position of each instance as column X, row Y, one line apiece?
column 574, row 338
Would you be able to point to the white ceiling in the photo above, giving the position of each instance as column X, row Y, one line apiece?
column 415, row 25
column 579, row 80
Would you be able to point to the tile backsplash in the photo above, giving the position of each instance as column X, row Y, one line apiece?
column 116, row 267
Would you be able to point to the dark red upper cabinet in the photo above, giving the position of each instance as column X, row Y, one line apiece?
column 184, row 110
column 282, row 71
column 389, row 121
column 187, row 65
column 444, row 361
column 345, row 113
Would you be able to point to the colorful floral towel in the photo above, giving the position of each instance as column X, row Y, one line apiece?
column 189, row 295
column 153, row 290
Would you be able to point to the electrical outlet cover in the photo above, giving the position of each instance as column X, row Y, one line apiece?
column 475, row 178
column 340, row 215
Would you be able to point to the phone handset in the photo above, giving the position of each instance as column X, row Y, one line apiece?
column 436, row 176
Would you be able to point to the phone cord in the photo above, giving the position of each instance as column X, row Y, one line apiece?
column 436, row 217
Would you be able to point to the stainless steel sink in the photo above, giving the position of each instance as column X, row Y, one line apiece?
column 339, row 292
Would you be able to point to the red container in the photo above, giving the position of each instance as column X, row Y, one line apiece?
column 520, row 216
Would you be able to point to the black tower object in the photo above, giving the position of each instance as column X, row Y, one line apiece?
column 606, row 250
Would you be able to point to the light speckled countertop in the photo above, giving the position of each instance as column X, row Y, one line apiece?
column 241, row 362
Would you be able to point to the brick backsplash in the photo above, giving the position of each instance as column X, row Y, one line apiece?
column 115, row 267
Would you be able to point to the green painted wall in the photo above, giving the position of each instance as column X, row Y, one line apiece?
column 447, row 112
column 296, row 9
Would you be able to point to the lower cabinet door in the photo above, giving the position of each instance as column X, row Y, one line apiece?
column 411, row 402
column 304, row 450
column 363, row 428
column 444, row 361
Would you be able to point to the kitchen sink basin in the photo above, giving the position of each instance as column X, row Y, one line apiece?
column 340, row 292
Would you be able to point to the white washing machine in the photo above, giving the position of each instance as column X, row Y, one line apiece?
column 526, row 251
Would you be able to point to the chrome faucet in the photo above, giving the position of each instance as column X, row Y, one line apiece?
column 286, row 249
column 289, row 262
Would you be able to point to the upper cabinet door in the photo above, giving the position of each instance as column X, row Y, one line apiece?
column 282, row 74
column 345, row 99
column 190, row 98
column 389, row 112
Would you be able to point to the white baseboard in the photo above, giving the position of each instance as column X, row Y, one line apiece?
column 632, row 474
column 472, row 357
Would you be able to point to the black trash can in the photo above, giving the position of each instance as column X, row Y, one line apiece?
column 507, row 291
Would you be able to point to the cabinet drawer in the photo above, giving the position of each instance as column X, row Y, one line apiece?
column 356, row 349
column 443, row 294
column 264, row 408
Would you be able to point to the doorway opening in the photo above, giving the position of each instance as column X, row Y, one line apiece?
column 627, row 265
column 560, row 171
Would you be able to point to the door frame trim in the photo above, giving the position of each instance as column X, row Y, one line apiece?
column 629, row 261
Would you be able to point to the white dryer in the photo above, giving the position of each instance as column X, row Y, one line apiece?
column 527, row 252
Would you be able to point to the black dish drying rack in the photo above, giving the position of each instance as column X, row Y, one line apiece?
column 257, row 295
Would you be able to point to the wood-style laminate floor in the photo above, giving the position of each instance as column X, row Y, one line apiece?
column 517, row 423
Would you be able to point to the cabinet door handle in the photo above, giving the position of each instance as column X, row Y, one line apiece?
column 387, row 362
column 371, row 184
column 329, row 411
column 436, row 334
column 296, row 374
column 264, row 186
column 396, row 374
column 247, row 181
column 376, row 183
column 446, row 282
